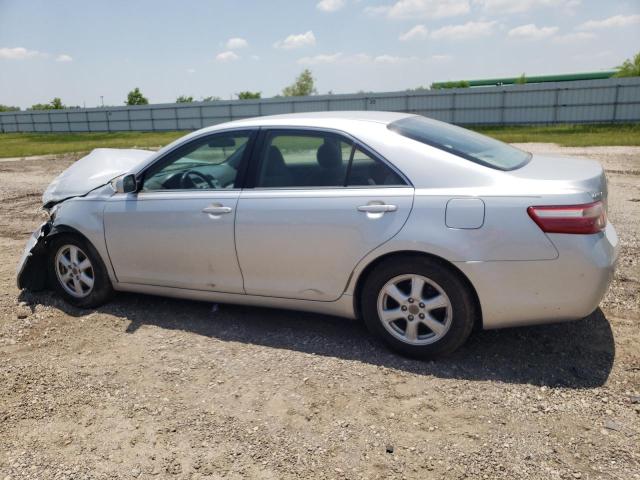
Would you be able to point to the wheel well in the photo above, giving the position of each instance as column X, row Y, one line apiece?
column 409, row 253
column 58, row 230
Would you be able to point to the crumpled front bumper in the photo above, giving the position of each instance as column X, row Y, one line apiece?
column 32, row 268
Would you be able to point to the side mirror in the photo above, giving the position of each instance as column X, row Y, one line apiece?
column 125, row 183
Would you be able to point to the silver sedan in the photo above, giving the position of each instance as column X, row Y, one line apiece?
column 423, row 229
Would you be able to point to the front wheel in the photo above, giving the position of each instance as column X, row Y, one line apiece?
column 418, row 306
column 77, row 272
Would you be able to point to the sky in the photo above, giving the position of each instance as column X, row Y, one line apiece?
column 80, row 50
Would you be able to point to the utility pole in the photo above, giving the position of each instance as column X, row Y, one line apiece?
column 102, row 100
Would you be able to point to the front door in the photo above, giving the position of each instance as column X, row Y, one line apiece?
column 178, row 230
column 320, row 203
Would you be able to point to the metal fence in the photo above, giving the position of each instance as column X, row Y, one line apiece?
column 613, row 100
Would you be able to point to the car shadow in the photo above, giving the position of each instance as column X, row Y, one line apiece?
column 576, row 354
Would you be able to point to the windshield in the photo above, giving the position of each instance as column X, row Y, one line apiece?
column 462, row 142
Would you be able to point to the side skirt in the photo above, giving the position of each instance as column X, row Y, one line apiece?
column 343, row 307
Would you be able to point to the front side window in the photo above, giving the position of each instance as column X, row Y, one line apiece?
column 462, row 142
column 212, row 162
column 317, row 159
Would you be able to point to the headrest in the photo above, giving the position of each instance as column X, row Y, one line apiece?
column 275, row 160
column 329, row 155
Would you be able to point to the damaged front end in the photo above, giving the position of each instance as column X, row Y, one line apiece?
column 90, row 176
column 32, row 269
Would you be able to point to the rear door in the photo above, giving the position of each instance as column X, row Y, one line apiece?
column 319, row 203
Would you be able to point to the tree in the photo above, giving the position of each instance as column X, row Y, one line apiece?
column 8, row 108
column 458, row 84
column 55, row 104
column 303, row 86
column 247, row 95
column 210, row 99
column 135, row 97
column 630, row 68
column 521, row 80
column 184, row 99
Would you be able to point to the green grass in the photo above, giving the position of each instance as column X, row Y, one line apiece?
column 25, row 144
column 568, row 135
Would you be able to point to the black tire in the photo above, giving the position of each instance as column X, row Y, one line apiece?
column 461, row 299
column 101, row 290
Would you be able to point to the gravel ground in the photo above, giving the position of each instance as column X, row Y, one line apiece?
column 149, row 387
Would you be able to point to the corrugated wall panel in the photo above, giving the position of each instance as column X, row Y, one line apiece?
column 581, row 114
column 523, row 98
column 342, row 104
column 312, row 106
column 529, row 115
column 277, row 108
column 580, row 101
column 587, row 96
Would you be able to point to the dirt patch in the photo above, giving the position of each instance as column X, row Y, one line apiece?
column 149, row 387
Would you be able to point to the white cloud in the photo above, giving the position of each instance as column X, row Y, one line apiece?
column 63, row 57
column 227, row 56
column 191, row 70
column 417, row 32
column 441, row 58
column 464, row 31
column 412, row 9
column 393, row 59
column 236, row 43
column 322, row 58
column 574, row 37
column 18, row 53
column 519, row 6
column 531, row 31
column 611, row 22
column 297, row 41
column 330, row 5
column 355, row 59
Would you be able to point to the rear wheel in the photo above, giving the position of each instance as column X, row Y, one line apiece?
column 77, row 272
column 419, row 307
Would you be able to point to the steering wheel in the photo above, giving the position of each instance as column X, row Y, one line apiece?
column 194, row 179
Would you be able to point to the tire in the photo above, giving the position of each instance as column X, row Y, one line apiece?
column 410, row 311
column 94, row 284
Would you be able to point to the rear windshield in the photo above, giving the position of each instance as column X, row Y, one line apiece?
column 462, row 142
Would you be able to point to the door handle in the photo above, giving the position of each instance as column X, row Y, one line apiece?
column 377, row 208
column 216, row 210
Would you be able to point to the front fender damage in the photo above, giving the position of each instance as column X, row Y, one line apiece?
column 32, row 270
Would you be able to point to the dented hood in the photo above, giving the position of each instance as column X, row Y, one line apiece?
column 96, row 169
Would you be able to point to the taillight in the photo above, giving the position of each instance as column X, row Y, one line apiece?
column 577, row 219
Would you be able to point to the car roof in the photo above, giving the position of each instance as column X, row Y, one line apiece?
column 327, row 119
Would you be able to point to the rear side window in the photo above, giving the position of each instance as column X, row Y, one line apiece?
column 368, row 171
column 462, row 142
column 305, row 159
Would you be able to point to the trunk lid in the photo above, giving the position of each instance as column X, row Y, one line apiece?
column 92, row 171
column 574, row 174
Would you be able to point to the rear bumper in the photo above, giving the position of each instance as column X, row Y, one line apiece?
column 515, row 293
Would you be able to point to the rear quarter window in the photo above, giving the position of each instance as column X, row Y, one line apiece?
column 461, row 142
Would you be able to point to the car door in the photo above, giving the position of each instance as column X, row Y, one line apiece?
column 178, row 229
column 319, row 203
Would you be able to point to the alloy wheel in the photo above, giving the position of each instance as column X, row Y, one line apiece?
column 74, row 271
column 415, row 309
